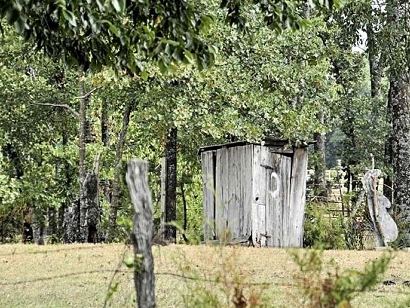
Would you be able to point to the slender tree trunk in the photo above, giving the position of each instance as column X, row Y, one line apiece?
column 82, row 132
column 185, row 211
column 105, row 134
column 63, row 207
column 400, row 92
column 52, row 222
column 374, row 63
column 82, row 232
column 116, row 184
column 170, row 178
column 320, row 160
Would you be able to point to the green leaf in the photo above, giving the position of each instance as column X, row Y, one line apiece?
column 119, row 5
column 188, row 57
column 129, row 262
column 69, row 16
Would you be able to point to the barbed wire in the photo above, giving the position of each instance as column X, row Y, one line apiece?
column 391, row 289
column 72, row 274
column 15, row 253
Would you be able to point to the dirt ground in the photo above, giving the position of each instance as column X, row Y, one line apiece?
column 80, row 275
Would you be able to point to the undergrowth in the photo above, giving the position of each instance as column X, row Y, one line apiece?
column 226, row 286
column 324, row 285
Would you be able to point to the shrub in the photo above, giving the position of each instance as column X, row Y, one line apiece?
column 322, row 231
column 226, row 286
column 324, row 285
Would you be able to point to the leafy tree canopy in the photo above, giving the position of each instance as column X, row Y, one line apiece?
column 127, row 34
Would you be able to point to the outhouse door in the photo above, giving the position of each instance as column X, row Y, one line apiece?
column 272, row 176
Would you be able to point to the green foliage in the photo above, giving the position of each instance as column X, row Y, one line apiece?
column 263, row 82
column 321, row 230
column 325, row 285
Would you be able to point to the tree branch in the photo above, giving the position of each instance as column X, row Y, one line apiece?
column 73, row 111
column 86, row 95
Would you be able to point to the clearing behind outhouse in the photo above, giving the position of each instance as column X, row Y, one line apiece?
column 255, row 191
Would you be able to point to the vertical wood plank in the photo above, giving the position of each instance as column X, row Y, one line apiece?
column 246, row 175
column 219, row 194
column 239, row 191
column 284, row 212
column 230, row 183
column 234, row 181
column 274, row 195
column 208, row 194
column 226, row 191
column 256, row 192
column 298, row 196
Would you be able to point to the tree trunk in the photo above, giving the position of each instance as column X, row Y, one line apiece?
column 400, row 93
column 185, row 212
column 82, row 232
column 116, row 184
column 82, row 132
column 320, row 161
column 144, row 279
column 374, row 63
column 52, row 224
column 105, row 134
column 63, row 207
column 71, row 224
column 89, row 208
column 170, row 181
column 39, row 226
column 388, row 151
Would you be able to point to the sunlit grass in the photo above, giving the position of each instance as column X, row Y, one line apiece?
column 79, row 275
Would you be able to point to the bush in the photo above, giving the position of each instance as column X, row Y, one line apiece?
column 324, row 285
column 322, row 231
column 226, row 286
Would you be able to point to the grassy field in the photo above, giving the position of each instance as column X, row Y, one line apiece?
column 79, row 275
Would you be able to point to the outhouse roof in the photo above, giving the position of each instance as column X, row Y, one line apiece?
column 267, row 141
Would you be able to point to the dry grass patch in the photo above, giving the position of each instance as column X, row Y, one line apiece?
column 79, row 275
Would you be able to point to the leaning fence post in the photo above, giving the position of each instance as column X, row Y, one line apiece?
column 137, row 181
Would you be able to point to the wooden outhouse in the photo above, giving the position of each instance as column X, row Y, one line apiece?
column 255, row 191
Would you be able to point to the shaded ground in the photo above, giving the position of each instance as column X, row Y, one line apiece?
column 79, row 275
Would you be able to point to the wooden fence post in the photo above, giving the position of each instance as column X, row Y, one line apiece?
column 137, row 181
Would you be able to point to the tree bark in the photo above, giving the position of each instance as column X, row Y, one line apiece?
column 144, row 279
column 398, row 26
column 388, row 151
column 320, row 161
column 89, row 208
column 374, row 63
column 170, row 181
column 116, row 184
column 185, row 212
column 105, row 134
column 82, row 134
column 400, row 92
column 63, row 207
column 52, row 223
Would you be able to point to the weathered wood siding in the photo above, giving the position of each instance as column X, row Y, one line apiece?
column 246, row 186
column 207, row 159
column 298, row 196
column 255, row 190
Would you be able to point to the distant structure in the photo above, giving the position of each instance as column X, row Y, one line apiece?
column 255, row 192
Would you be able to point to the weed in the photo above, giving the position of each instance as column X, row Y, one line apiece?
column 324, row 285
column 226, row 286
